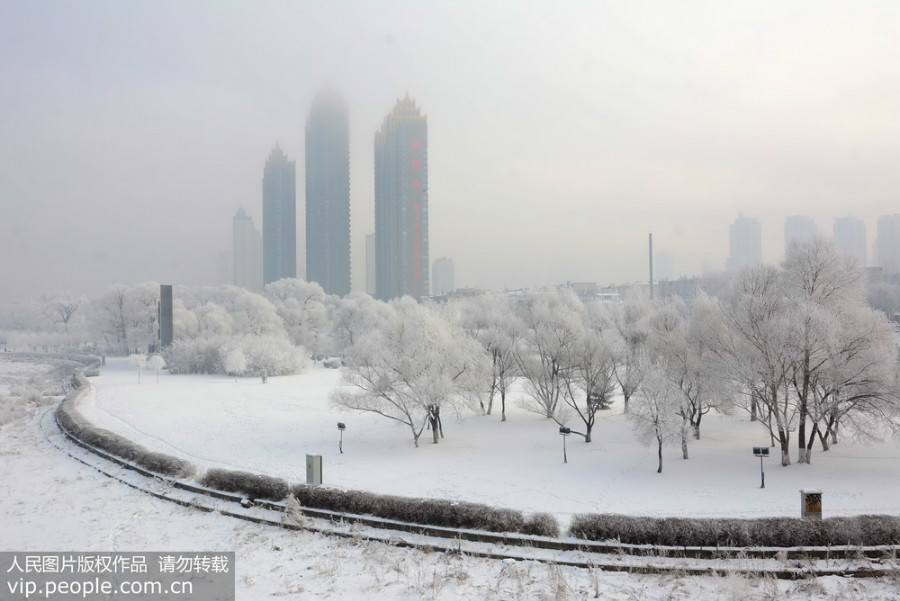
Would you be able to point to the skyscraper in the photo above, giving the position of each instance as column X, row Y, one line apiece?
column 328, row 194
column 849, row 235
column 246, row 253
column 887, row 245
column 279, row 218
column 401, row 203
column 798, row 228
column 745, row 242
column 370, row 265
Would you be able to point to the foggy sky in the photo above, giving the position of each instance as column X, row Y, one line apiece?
column 560, row 134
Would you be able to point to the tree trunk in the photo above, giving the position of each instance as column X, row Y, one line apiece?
column 659, row 453
column 753, row 407
column 685, row 428
column 503, row 405
column 785, row 447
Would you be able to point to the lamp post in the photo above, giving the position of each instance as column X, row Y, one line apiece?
column 564, row 431
column 762, row 453
column 341, row 428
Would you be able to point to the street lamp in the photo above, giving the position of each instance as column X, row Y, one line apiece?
column 341, row 428
column 564, row 431
column 762, row 453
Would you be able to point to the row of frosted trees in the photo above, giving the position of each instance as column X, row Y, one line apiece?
column 796, row 346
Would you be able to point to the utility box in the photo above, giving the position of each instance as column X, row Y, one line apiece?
column 313, row 469
column 811, row 504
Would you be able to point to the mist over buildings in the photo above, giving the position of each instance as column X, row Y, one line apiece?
column 559, row 134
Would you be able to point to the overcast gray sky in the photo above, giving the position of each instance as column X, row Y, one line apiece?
column 560, row 134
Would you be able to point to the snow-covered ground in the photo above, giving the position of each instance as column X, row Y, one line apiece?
column 48, row 501
column 270, row 428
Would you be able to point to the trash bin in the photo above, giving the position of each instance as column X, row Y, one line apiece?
column 811, row 504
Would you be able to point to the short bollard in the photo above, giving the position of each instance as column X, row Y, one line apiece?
column 313, row 469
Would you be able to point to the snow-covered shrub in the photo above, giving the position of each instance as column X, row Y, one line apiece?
column 541, row 524
column 762, row 532
column 273, row 354
column 198, row 356
column 433, row 512
column 10, row 410
column 255, row 486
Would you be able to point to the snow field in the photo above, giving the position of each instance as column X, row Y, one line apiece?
column 49, row 501
column 215, row 421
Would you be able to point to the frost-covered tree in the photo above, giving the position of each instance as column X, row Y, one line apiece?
column 235, row 362
column 552, row 323
column 251, row 313
column 854, row 387
column 589, row 377
column 490, row 320
column 757, row 349
column 109, row 319
column 353, row 316
column 156, row 363
column 630, row 321
column 655, row 412
column 303, row 309
column 409, row 368
column 683, row 339
column 139, row 360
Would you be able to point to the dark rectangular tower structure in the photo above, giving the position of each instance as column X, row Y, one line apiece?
column 166, row 329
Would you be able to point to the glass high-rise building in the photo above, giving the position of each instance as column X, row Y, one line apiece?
column 328, row 194
column 279, row 218
column 401, row 203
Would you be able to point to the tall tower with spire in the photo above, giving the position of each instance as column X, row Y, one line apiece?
column 279, row 217
column 328, row 194
column 401, row 203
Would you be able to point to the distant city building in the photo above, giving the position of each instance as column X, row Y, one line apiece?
column 442, row 276
column 745, row 243
column 328, row 194
column 370, row 265
column 849, row 236
column 279, row 218
column 798, row 228
column 401, row 203
column 887, row 245
column 246, row 253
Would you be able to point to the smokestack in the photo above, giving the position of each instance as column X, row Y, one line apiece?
column 651, row 266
